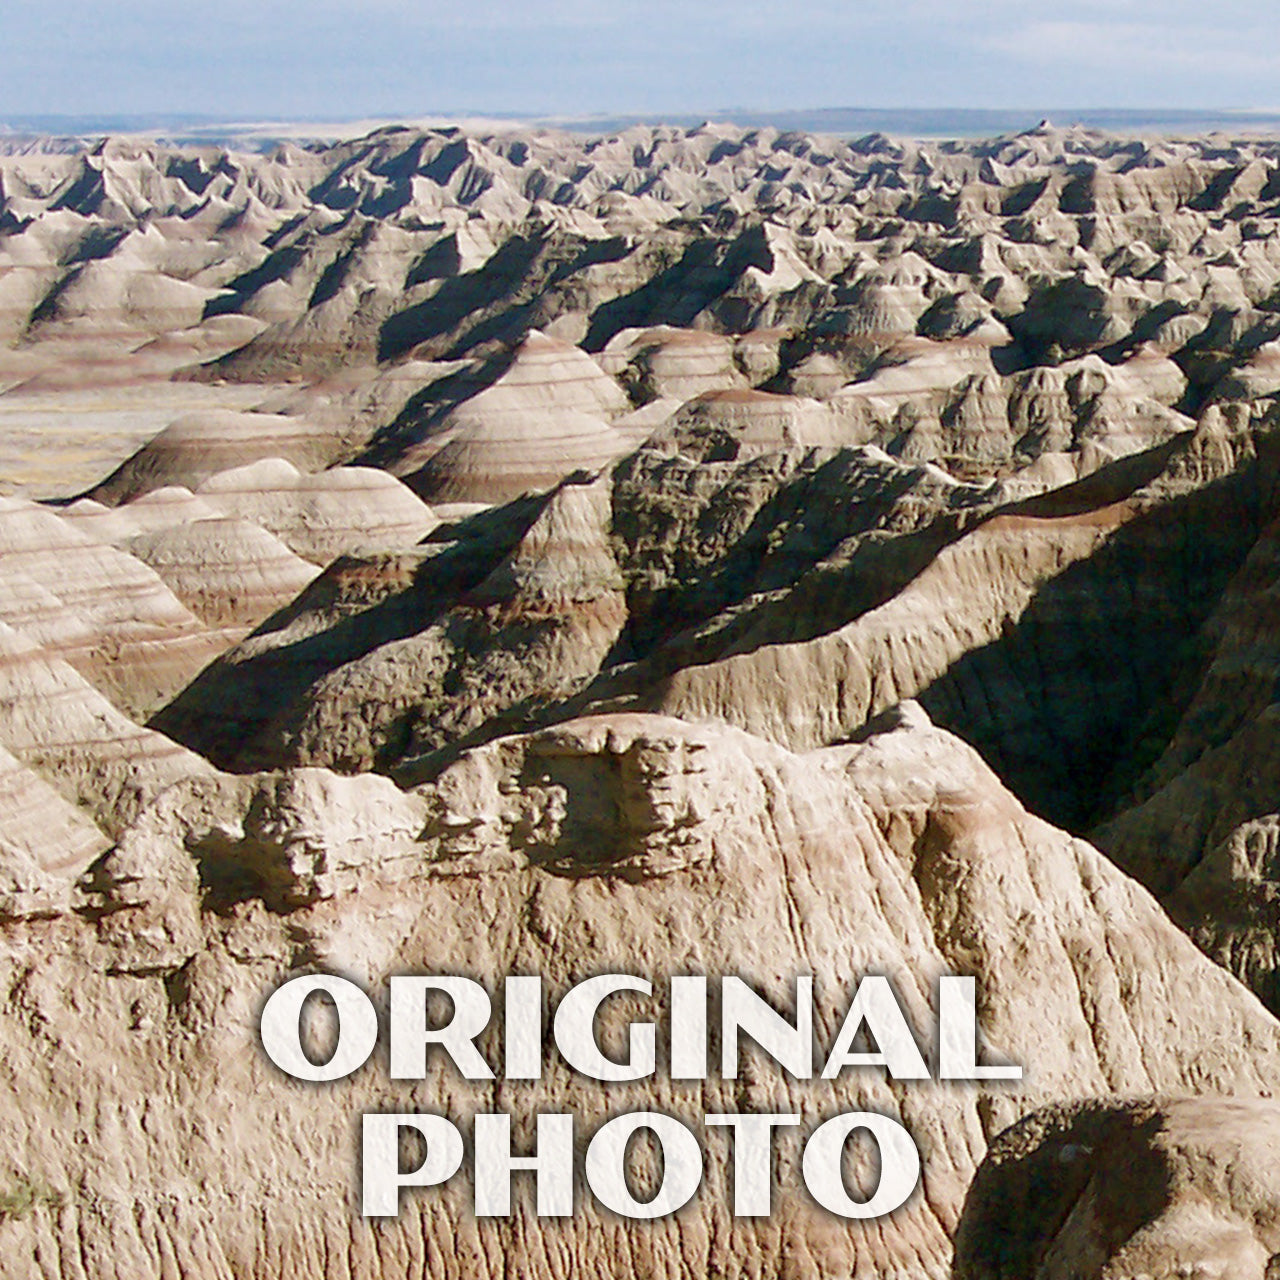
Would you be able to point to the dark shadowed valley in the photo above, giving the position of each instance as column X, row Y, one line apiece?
column 707, row 550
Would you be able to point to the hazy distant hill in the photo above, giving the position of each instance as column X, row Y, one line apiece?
column 44, row 132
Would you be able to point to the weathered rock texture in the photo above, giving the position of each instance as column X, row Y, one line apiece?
column 628, row 843
column 796, row 593
column 603, row 526
column 1039, row 303
column 1186, row 1187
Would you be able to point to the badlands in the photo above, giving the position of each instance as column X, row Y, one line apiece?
column 689, row 551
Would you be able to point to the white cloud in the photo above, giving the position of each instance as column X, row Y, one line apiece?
column 1142, row 47
column 306, row 56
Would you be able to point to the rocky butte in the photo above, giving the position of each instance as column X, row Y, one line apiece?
column 690, row 554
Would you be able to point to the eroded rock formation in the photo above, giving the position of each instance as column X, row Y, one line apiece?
column 629, row 843
column 1163, row 1187
column 566, row 555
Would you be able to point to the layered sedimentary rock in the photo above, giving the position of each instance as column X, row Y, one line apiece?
column 106, row 613
column 796, row 592
column 668, row 363
column 518, row 612
column 595, row 505
column 727, row 572
column 153, row 512
column 46, row 842
column 982, row 303
column 901, row 856
column 543, row 416
column 721, row 425
column 196, row 447
column 229, row 573
column 1199, row 822
column 321, row 516
column 57, row 724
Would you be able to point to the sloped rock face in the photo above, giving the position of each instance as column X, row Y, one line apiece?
column 105, row 613
column 57, row 723
column 599, row 583
column 1010, row 633
column 669, row 363
column 194, row 448
column 616, row 519
column 228, row 572
column 322, row 516
column 45, row 843
column 1160, row 1188
column 627, row 843
column 1198, row 823
column 981, row 305
column 797, row 593
column 546, row 414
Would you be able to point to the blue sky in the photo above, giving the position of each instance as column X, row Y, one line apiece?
column 251, row 59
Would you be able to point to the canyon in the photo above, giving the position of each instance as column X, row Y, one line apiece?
column 686, row 551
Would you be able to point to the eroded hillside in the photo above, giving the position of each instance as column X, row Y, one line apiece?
column 691, row 550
